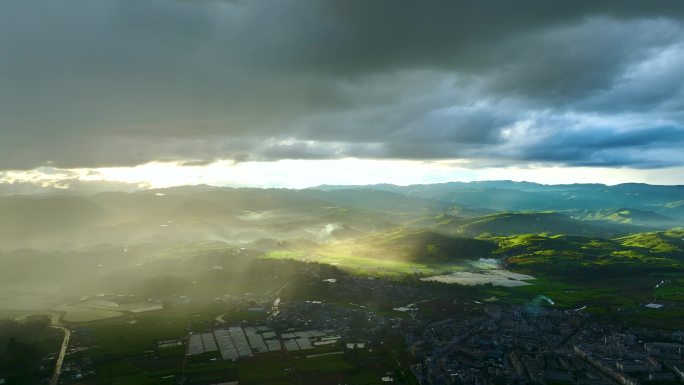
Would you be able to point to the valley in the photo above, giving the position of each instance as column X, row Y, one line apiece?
column 132, row 276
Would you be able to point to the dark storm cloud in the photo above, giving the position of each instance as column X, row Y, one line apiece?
column 639, row 148
column 123, row 82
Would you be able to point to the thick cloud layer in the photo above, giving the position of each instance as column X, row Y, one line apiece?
column 123, row 82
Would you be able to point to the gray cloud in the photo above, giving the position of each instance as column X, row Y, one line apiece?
column 123, row 82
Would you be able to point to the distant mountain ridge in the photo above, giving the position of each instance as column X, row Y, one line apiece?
column 321, row 214
column 503, row 184
column 665, row 200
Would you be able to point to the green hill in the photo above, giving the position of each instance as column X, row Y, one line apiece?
column 576, row 257
column 516, row 196
column 625, row 216
column 536, row 222
column 674, row 209
column 670, row 243
column 430, row 246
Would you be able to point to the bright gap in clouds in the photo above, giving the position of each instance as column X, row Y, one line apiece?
column 287, row 173
column 307, row 173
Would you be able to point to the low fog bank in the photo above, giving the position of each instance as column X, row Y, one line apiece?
column 212, row 240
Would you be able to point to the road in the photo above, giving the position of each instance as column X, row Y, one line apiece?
column 55, row 321
column 62, row 353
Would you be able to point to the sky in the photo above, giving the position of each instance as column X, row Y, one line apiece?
column 123, row 94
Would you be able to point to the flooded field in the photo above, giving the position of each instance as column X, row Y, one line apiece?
column 84, row 314
column 96, row 309
column 497, row 277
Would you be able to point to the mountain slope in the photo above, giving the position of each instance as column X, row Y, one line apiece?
column 429, row 246
column 581, row 258
column 521, row 223
column 670, row 243
column 626, row 216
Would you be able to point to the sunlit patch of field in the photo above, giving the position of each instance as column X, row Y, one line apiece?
column 363, row 265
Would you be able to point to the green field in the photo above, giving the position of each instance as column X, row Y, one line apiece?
column 321, row 365
column 365, row 265
column 125, row 353
column 590, row 283
column 124, row 350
